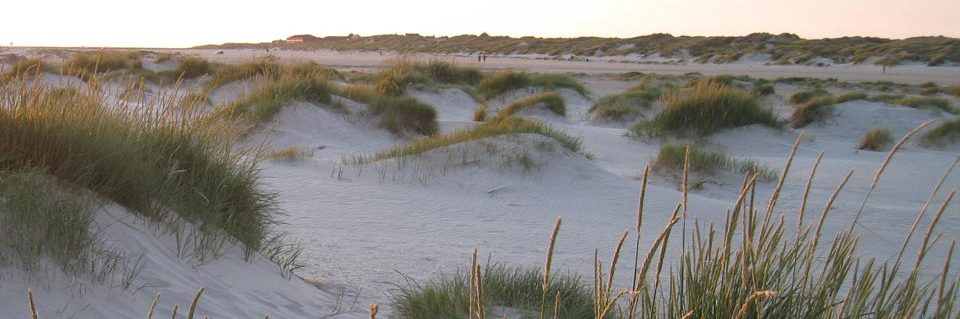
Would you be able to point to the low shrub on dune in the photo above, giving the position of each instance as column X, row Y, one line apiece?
column 705, row 108
column 549, row 100
column 875, row 140
column 625, row 106
column 405, row 114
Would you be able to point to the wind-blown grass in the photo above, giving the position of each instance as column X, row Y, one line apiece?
column 88, row 64
column 625, row 106
column 150, row 159
column 945, row 133
column 26, row 67
column 405, row 114
column 511, row 287
column 550, row 100
column 705, row 108
column 672, row 156
column 502, row 82
column 403, row 71
column 502, row 126
column 875, row 140
column 193, row 67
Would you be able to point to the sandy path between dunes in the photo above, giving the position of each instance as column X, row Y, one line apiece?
column 911, row 74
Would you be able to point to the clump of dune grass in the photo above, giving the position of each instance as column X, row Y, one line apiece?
column 41, row 220
column 502, row 82
column 761, row 262
column 401, row 72
column 945, row 133
column 763, row 89
column 625, row 106
column 805, row 96
column 291, row 153
column 194, row 67
column 405, row 114
column 705, row 108
column 511, row 287
column 925, row 101
column 161, row 164
column 672, row 156
column 875, row 140
column 549, row 100
column 269, row 99
column 269, row 69
column 497, row 127
column 360, row 93
column 819, row 109
column 26, row 67
column 163, row 57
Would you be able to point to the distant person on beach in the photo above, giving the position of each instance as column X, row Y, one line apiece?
column 479, row 58
column 484, row 58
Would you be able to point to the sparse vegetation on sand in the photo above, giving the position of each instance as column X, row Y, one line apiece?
column 157, row 163
column 955, row 91
column 401, row 72
column 291, row 153
column 673, row 156
column 820, row 109
column 705, row 108
column 805, row 96
column 549, row 100
column 501, row 126
column 480, row 112
column 946, row 133
column 502, row 82
column 625, row 106
column 521, row 288
column 876, row 140
column 760, row 262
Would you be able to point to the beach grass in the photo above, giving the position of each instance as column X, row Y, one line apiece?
column 497, row 84
column 805, row 96
column 625, row 106
column 820, row 108
column 926, row 101
column 672, row 158
column 947, row 132
column 549, row 100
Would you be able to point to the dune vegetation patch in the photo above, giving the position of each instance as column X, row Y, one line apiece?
column 26, row 67
column 161, row 164
column 946, row 133
column 705, row 108
column 505, row 81
column 820, row 108
column 549, row 100
column 404, row 114
column 289, row 154
column 672, row 157
column 625, row 106
column 876, row 140
column 87, row 64
column 193, row 67
column 502, row 286
column 501, row 126
column 955, row 91
column 925, row 101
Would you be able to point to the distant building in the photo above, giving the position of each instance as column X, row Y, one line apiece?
column 301, row 38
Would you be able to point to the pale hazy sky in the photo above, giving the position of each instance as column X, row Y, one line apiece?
column 182, row 23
